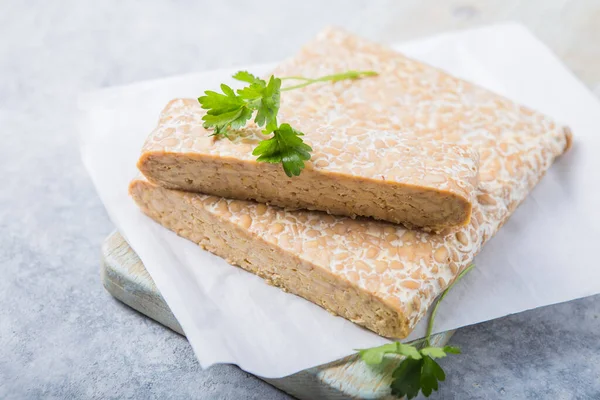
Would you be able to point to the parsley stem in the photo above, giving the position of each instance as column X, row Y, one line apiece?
column 326, row 78
column 439, row 300
column 295, row 78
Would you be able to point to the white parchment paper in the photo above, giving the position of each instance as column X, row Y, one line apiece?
column 547, row 253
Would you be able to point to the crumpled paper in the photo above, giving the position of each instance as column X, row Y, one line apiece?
column 547, row 253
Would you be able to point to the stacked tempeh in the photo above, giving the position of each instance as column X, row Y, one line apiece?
column 413, row 145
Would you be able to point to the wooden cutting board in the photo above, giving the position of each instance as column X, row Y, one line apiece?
column 125, row 277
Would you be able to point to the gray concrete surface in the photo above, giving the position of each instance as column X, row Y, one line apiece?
column 63, row 336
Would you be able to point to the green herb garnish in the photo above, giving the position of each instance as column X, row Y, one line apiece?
column 231, row 110
column 418, row 371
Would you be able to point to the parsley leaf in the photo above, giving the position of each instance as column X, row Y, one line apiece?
column 246, row 76
column 256, row 88
column 286, row 147
column 451, row 350
column 418, row 371
column 414, row 375
column 431, row 373
column 407, row 378
column 375, row 355
column 232, row 110
column 434, row 352
column 269, row 105
column 225, row 110
column 252, row 93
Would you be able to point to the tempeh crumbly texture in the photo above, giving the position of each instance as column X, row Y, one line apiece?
column 377, row 274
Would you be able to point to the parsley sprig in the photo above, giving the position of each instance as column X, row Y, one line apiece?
column 231, row 110
column 418, row 371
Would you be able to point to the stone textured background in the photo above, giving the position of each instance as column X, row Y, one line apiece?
column 63, row 336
